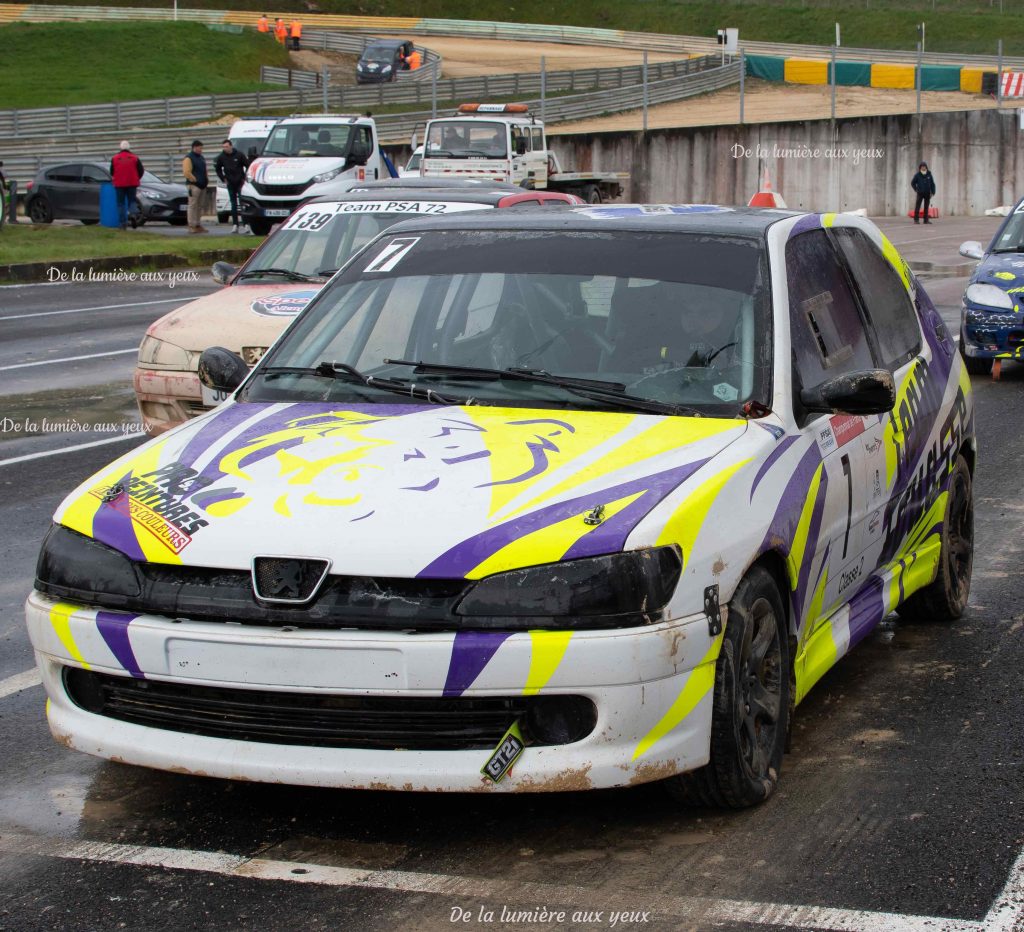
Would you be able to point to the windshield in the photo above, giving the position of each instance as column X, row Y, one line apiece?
column 382, row 54
column 466, row 139
column 244, row 143
column 679, row 319
column 414, row 163
column 319, row 239
column 1011, row 237
column 308, row 139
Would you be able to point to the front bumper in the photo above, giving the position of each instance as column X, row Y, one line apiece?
column 164, row 210
column 651, row 687
column 167, row 398
column 992, row 334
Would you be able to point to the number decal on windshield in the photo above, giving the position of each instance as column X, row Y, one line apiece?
column 308, row 220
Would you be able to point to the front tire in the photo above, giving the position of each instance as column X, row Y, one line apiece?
column 945, row 598
column 260, row 227
column 975, row 365
column 750, row 712
column 40, row 211
column 222, row 218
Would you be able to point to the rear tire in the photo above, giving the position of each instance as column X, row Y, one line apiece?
column 591, row 194
column 222, row 218
column 750, row 713
column 89, row 223
column 40, row 210
column 260, row 227
column 945, row 598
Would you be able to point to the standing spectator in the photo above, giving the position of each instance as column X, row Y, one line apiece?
column 280, row 30
column 126, row 172
column 924, row 184
column 263, row 24
column 415, row 60
column 296, row 34
column 230, row 166
column 193, row 167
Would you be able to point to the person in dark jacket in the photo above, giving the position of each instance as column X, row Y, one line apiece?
column 924, row 184
column 230, row 166
column 126, row 173
column 193, row 167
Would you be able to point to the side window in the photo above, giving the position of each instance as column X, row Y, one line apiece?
column 889, row 308
column 826, row 329
column 93, row 175
column 66, row 173
column 538, row 139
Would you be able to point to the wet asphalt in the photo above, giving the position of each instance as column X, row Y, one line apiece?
column 901, row 793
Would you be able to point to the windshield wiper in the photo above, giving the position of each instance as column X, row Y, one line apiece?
column 345, row 372
column 290, row 274
column 325, row 273
column 1010, row 249
column 588, row 388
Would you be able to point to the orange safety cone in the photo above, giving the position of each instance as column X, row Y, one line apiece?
column 766, row 197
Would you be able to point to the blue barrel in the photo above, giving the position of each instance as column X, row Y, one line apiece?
column 108, row 206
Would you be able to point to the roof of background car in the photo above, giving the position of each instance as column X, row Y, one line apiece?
column 466, row 184
column 682, row 218
column 434, row 195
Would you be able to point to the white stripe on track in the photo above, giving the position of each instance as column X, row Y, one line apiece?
column 18, row 682
column 78, row 446
column 514, row 894
column 50, row 362
column 99, row 307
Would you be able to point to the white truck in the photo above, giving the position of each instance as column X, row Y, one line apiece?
column 306, row 156
column 504, row 142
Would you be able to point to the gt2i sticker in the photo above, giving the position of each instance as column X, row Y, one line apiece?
column 395, row 251
column 505, row 755
column 282, row 305
column 153, row 501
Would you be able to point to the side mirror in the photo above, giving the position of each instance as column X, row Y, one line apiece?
column 252, row 153
column 870, row 391
column 223, row 272
column 221, row 370
column 972, row 250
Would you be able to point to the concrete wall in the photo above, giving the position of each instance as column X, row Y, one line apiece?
column 868, row 162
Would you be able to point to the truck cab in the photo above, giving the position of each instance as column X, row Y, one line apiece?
column 504, row 142
column 306, row 156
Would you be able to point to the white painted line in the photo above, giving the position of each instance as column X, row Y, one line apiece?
column 50, row 362
column 1007, row 913
column 18, row 682
column 78, row 446
column 99, row 307
column 471, row 890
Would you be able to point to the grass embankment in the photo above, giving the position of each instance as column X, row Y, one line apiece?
column 27, row 243
column 952, row 26
column 53, row 64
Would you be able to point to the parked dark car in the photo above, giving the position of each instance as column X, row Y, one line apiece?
column 70, row 191
column 382, row 60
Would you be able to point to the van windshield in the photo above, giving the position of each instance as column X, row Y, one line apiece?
column 673, row 319
column 309, row 140
column 465, row 139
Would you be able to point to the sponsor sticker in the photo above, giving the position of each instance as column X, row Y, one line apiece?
column 287, row 304
column 846, row 427
column 509, row 748
column 825, row 438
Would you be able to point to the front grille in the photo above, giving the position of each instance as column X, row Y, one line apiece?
column 281, row 579
column 331, row 721
column 1015, row 337
column 281, row 190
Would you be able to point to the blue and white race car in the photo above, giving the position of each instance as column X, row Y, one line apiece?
column 992, row 311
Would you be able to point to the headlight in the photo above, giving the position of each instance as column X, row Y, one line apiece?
column 75, row 568
column 386, row 69
column 161, row 354
column 150, row 193
column 327, row 176
column 617, row 590
column 989, row 296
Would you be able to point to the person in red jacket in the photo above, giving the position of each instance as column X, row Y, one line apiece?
column 126, row 171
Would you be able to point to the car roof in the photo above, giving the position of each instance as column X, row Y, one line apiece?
column 457, row 196
column 668, row 218
column 446, row 184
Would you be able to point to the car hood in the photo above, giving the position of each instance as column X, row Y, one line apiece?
column 166, row 189
column 1005, row 270
column 392, row 490
column 236, row 316
column 291, row 171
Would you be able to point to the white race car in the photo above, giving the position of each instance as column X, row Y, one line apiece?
column 522, row 502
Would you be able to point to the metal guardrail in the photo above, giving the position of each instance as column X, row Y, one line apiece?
column 162, row 149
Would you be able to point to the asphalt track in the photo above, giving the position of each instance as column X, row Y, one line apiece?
column 899, row 808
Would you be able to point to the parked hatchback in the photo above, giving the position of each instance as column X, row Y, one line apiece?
column 536, row 502
column 71, row 191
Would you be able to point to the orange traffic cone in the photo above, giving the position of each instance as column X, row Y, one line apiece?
column 766, row 197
